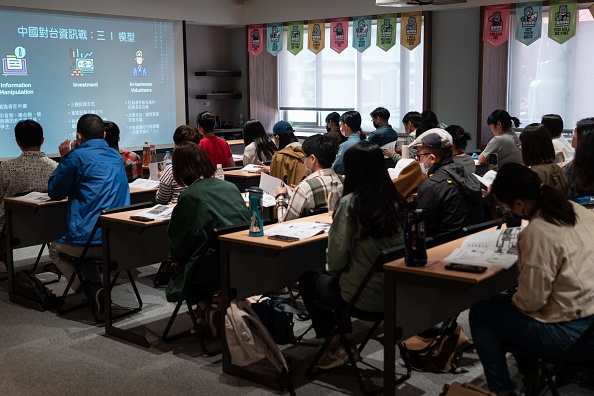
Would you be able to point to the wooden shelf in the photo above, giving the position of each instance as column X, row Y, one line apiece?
column 218, row 73
column 220, row 96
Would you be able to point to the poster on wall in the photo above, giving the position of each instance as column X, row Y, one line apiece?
column 410, row 30
column 496, row 25
column 317, row 36
column 255, row 39
column 563, row 17
column 274, row 40
column 295, row 37
column 361, row 33
column 528, row 22
column 339, row 34
column 386, row 31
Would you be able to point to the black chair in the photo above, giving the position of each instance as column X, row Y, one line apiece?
column 78, row 261
column 340, row 316
column 212, row 243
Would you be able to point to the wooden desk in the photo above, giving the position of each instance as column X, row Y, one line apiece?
column 417, row 298
column 254, row 265
column 243, row 180
column 138, row 195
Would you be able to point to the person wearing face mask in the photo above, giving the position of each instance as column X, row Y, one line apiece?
column 384, row 133
column 333, row 128
column 350, row 127
column 450, row 196
column 312, row 192
column 554, row 302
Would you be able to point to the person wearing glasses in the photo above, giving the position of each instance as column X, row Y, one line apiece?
column 384, row 133
column 450, row 196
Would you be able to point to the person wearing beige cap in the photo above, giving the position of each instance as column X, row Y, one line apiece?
column 450, row 196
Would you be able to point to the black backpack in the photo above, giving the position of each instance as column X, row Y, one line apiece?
column 28, row 286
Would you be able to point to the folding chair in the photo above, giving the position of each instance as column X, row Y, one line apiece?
column 78, row 262
column 212, row 243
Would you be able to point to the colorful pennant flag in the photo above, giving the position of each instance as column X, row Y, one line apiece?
column 274, row 39
column 563, row 17
column 255, row 39
column 317, row 36
column 496, row 25
column 295, row 37
column 386, row 31
column 591, row 8
column 410, row 30
column 361, row 33
column 339, row 34
column 528, row 22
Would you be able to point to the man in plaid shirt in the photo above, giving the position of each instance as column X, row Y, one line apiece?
column 312, row 193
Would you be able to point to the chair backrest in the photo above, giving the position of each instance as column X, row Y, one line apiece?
column 440, row 239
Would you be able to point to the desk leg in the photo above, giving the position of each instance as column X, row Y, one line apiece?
column 225, row 286
column 389, row 334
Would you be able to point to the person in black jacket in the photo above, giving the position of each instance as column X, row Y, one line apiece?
column 450, row 196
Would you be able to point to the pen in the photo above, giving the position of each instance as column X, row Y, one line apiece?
column 322, row 222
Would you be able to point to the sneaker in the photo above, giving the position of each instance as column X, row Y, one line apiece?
column 337, row 357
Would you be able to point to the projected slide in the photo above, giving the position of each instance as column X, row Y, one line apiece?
column 56, row 68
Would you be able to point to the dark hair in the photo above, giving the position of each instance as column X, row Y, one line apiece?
column 186, row 133
column 381, row 112
column 429, row 117
column 424, row 128
column 554, row 124
column 537, row 146
column 334, row 117
column 583, row 125
column 377, row 205
column 90, row 126
column 323, row 147
column 414, row 117
column 353, row 120
column 504, row 118
column 515, row 181
column 253, row 131
column 285, row 139
column 584, row 158
column 459, row 136
column 206, row 120
column 443, row 153
column 28, row 133
column 112, row 134
column 190, row 163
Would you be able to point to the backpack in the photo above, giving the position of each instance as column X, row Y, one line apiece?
column 28, row 286
column 251, row 346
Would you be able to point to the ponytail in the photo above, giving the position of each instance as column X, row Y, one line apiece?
column 555, row 208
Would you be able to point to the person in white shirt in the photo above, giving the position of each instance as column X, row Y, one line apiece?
column 564, row 152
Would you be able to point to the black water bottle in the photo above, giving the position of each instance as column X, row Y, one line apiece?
column 414, row 239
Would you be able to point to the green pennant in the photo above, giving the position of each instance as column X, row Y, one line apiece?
column 295, row 37
column 386, row 31
column 563, row 16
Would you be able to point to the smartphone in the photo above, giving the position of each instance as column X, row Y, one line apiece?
column 140, row 218
column 475, row 269
column 283, row 238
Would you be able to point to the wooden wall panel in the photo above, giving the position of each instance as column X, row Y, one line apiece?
column 263, row 89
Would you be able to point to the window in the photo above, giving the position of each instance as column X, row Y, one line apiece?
column 547, row 77
column 311, row 86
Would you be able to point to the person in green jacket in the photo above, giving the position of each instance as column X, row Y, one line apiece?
column 206, row 203
column 368, row 220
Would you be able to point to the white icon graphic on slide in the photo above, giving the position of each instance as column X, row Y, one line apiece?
column 83, row 63
column 15, row 64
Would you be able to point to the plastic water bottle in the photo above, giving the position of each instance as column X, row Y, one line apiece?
column 167, row 159
column 146, row 154
column 219, row 173
column 414, row 239
column 256, row 223
column 333, row 197
column 154, row 164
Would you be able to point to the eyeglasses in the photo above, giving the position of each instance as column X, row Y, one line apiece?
column 418, row 156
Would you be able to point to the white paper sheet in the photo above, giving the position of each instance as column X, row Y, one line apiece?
column 252, row 168
column 298, row 229
column 144, row 184
column 35, row 197
column 269, row 184
column 157, row 212
column 487, row 179
column 401, row 164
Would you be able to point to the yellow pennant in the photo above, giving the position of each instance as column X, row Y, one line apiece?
column 410, row 30
column 317, row 36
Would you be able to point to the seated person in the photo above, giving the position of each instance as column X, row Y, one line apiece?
column 287, row 163
column 218, row 149
column 450, row 196
column 411, row 121
column 350, row 126
column 579, row 172
column 564, row 152
column 460, row 140
column 169, row 190
column 505, row 142
column 26, row 173
column 207, row 203
column 384, row 133
column 312, row 192
column 258, row 147
column 91, row 175
column 554, row 303
column 367, row 221
column 333, row 128
column 132, row 162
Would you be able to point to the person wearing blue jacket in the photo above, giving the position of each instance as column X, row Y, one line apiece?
column 92, row 176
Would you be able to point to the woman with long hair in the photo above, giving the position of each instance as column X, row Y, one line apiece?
column 350, row 127
column 258, row 146
column 539, row 155
column 554, row 303
column 368, row 220
column 504, row 143
column 579, row 172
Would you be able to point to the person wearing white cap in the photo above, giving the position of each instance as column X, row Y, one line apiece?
column 450, row 196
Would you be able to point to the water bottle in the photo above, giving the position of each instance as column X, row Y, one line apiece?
column 492, row 161
column 256, row 223
column 333, row 197
column 220, row 173
column 241, row 120
column 414, row 239
column 146, row 154
column 154, row 164
column 167, row 159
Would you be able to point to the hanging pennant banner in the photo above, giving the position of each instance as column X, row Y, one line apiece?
column 361, row 33
column 317, row 36
column 410, row 30
column 274, row 40
column 562, row 20
column 591, row 8
column 386, row 31
column 496, row 25
column 295, row 37
column 255, row 39
column 528, row 22
column 339, row 39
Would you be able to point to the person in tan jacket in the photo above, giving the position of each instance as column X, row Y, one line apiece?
column 288, row 163
column 554, row 303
